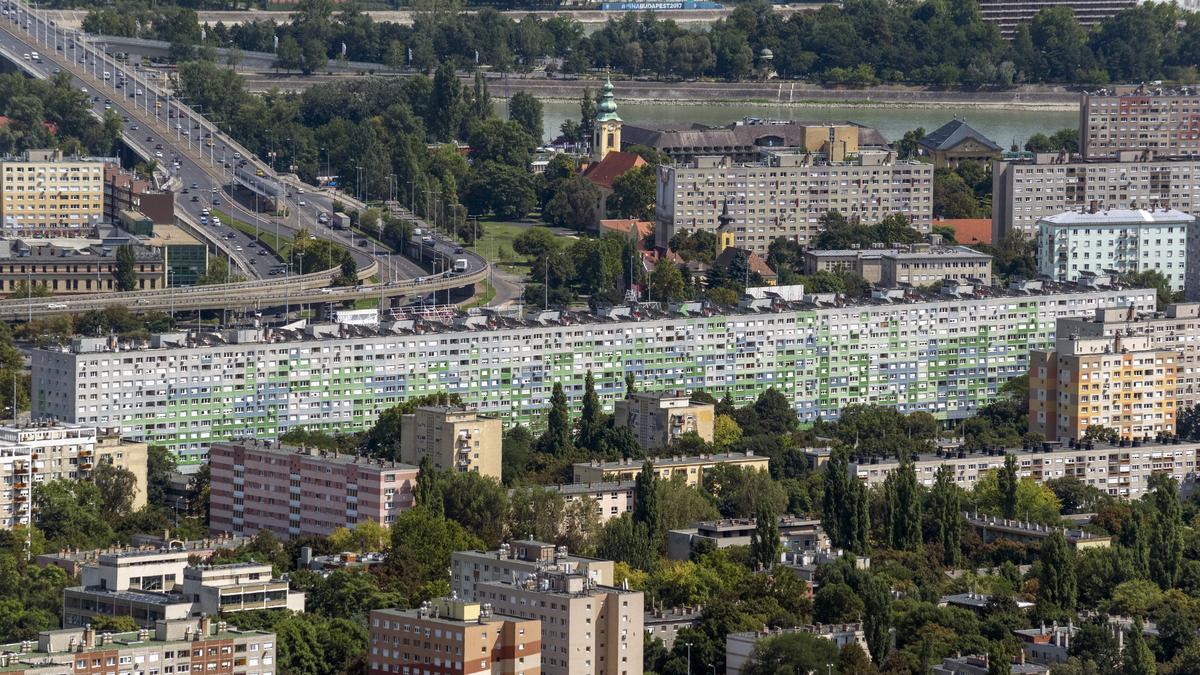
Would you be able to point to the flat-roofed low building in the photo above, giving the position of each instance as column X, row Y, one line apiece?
column 520, row 558
column 690, row 468
column 74, row 561
column 665, row 624
column 1047, row 644
column 739, row 647
column 913, row 264
column 454, row 637
column 658, row 419
column 975, row 602
column 993, row 528
column 978, row 664
column 238, row 587
column 1121, row 469
column 612, row 498
column 795, row 534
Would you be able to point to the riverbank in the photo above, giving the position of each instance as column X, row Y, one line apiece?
column 800, row 94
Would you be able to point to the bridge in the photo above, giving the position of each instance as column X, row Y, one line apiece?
column 200, row 152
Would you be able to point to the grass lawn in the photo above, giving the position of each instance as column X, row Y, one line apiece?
column 482, row 299
column 496, row 245
column 279, row 245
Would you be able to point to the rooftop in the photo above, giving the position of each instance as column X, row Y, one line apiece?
column 660, row 462
column 426, row 324
column 328, row 456
column 1029, row 528
column 952, row 133
column 1119, row 217
column 1143, row 90
column 979, row 600
column 903, row 251
column 1048, row 447
column 746, row 133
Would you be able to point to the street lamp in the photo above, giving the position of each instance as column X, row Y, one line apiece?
column 689, row 661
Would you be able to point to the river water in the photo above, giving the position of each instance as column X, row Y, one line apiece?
column 1002, row 126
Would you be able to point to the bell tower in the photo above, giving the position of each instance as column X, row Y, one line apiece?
column 725, row 236
column 607, row 136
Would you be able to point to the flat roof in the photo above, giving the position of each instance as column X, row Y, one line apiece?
column 1119, row 217
column 658, row 462
column 281, row 450
column 1048, row 449
column 143, row 597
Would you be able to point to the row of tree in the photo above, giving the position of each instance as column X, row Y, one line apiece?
column 859, row 42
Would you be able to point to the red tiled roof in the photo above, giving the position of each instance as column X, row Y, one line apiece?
column 623, row 226
column 969, row 230
column 615, row 163
column 50, row 126
column 757, row 264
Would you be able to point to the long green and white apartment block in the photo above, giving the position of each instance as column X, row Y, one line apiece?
column 945, row 353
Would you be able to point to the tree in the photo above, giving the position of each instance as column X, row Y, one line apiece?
column 835, row 498
column 1137, row 658
column 315, row 56
column 589, row 417
column 422, row 543
column 854, row 661
column 1155, row 280
column 125, row 271
column 1008, row 487
column 796, row 652
column 623, row 540
column 477, row 502
column 526, row 110
column 633, row 194
column 428, row 491
column 446, row 104
column 507, row 191
column 666, row 282
column 495, row 140
column 765, row 545
column 556, row 440
column 646, row 510
column 573, row 205
column 876, row 617
column 288, row 56
column 946, row 512
column 1166, row 534
column 726, row 431
column 160, row 466
column 774, row 414
column 71, row 514
column 535, row 512
column 117, row 486
column 1057, row 575
column 904, row 507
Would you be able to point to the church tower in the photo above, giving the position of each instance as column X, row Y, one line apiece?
column 725, row 238
column 607, row 136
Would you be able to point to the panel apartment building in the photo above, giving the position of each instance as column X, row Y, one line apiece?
column 449, row 636
column 1026, row 191
column 935, row 353
column 42, row 194
column 197, row 646
column 786, row 193
column 302, row 492
column 1120, row 383
column 46, row 451
column 1165, row 122
column 1123, row 469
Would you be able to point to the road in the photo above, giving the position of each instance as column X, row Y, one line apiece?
column 197, row 155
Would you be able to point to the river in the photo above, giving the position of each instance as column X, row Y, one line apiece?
column 1002, row 126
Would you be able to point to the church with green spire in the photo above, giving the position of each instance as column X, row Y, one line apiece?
column 607, row 135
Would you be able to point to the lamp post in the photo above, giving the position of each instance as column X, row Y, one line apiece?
column 689, row 660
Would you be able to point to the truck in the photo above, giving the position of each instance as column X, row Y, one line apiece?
column 341, row 221
column 460, row 264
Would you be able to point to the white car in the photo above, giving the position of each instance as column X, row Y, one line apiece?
column 203, row 220
column 158, row 154
column 237, row 248
column 216, row 221
column 301, row 203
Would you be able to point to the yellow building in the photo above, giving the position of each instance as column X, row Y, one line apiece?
column 657, row 419
column 607, row 136
column 454, row 438
column 42, row 194
column 836, row 141
column 1116, row 382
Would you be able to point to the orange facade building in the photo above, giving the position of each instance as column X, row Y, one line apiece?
column 448, row 636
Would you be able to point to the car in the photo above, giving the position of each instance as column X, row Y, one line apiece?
column 254, row 261
column 158, row 146
column 203, row 220
column 134, row 127
column 139, row 92
column 56, row 305
column 216, row 202
column 204, row 210
column 158, row 154
column 25, row 56
column 214, row 190
column 458, row 249
column 262, row 251
column 237, row 248
column 95, row 99
column 195, row 198
column 149, row 139
column 301, row 203
column 83, row 89
column 195, row 186
column 184, row 191
column 253, row 244
column 108, row 106
column 143, row 301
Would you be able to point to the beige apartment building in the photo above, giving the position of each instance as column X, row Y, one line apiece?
column 46, row 451
column 587, row 628
column 667, row 468
column 453, row 637
column 1122, row 470
column 786, row 193
column 914, row 264
column 521, row 558
column 1177, row 329
column 454, row 438
column 658, row 418
column 1026, row 191
column 1121, row 383
column 1163, row 121
column 43, row 194
column 187, row 645
column 612, row 498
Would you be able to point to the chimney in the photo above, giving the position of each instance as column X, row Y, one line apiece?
column 1093, row 206
column 205, row 626
column 89, row 636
